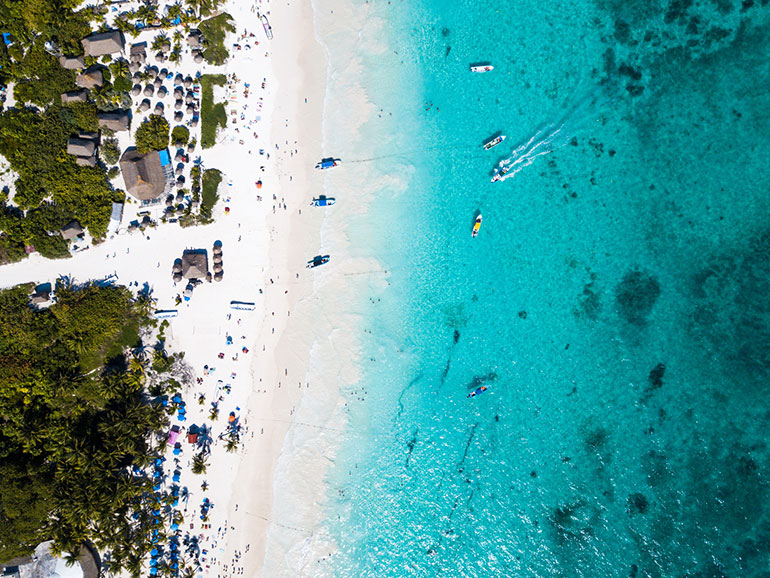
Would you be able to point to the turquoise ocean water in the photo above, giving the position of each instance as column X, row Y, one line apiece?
column 616, row 302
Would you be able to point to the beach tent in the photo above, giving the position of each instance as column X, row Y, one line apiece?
column 173, row 435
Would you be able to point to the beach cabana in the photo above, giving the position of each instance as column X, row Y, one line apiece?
column 143, row 174
column 115, row 120
column 75, row 96
column 173, row 435
column 195, row 264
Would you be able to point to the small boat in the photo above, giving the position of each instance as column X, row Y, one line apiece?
column 323, row 202
column 500, row 173
column 267, row 27
column 317, row 261
column 482, row 68
column 494, row 142
column 327, row 164
column 478, row 391
column 476, row 227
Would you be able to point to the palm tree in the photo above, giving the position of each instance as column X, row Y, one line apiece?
column 119, row 67
column 231, row 446
column 159, row 41
column 199, row 464
column 174, row 11
column 214, row 413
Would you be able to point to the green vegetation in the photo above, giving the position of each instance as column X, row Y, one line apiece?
column 76, row 419
column 152, row 134
column 213, row 115
column 40, row 78
column 214, row 31
column 110, row 150
column 34, row 143
column 180, row 135
column 210, row 182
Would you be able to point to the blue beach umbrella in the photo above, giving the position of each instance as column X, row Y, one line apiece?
column 153, row 571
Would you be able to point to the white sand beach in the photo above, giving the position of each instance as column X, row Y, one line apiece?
column 281, row 372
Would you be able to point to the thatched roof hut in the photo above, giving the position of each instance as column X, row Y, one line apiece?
column 103, row 43
column 75, row 96
column 90, row 78
column 72, row 62
column 116, row 120
column 195, row 264
column 81, row 147
column 143, row 174
column 71, row 231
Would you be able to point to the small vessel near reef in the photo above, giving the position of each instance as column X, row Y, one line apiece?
column 267, row 27
column 494, row 142
column 499, row 174
column 327, row 164
column 323, row 201
column 317, row 261
column 476, row 227
column 482, row 67
column 478, row 391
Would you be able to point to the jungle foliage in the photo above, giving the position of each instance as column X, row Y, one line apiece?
column 34, row 143
column 152, row 134
column 213, row 115
column 214, row 31
column 76, row 420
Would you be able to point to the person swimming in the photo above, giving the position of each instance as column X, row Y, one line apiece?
column 478, row 391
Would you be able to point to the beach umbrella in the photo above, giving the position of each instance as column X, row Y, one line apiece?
column 188, row 97
column 149, row 90
column 145, row 106
column 162, row 92
column 217, row 259
column 154, row 552
column 218, row 276
column 188, row 82
column 152, row 71
column 158, row 82
column 136, row 90
column 153, row 571
column 217, row 267
column 177, row 451
column 217, row 249
column 198, row 58
column 178, row 104
column 178, row 116
column 194, row 121
column 158, row 109
column 177, row 277
column 174, row 526
column 190, row 109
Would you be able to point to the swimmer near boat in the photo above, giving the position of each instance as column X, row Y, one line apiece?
column 478, row 391
column 476, row 227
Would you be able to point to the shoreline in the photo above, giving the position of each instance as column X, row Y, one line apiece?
column 296, row 125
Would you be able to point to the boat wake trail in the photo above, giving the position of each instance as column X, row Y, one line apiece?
column 551, row 137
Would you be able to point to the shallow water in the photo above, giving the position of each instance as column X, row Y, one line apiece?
column 614, row 303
